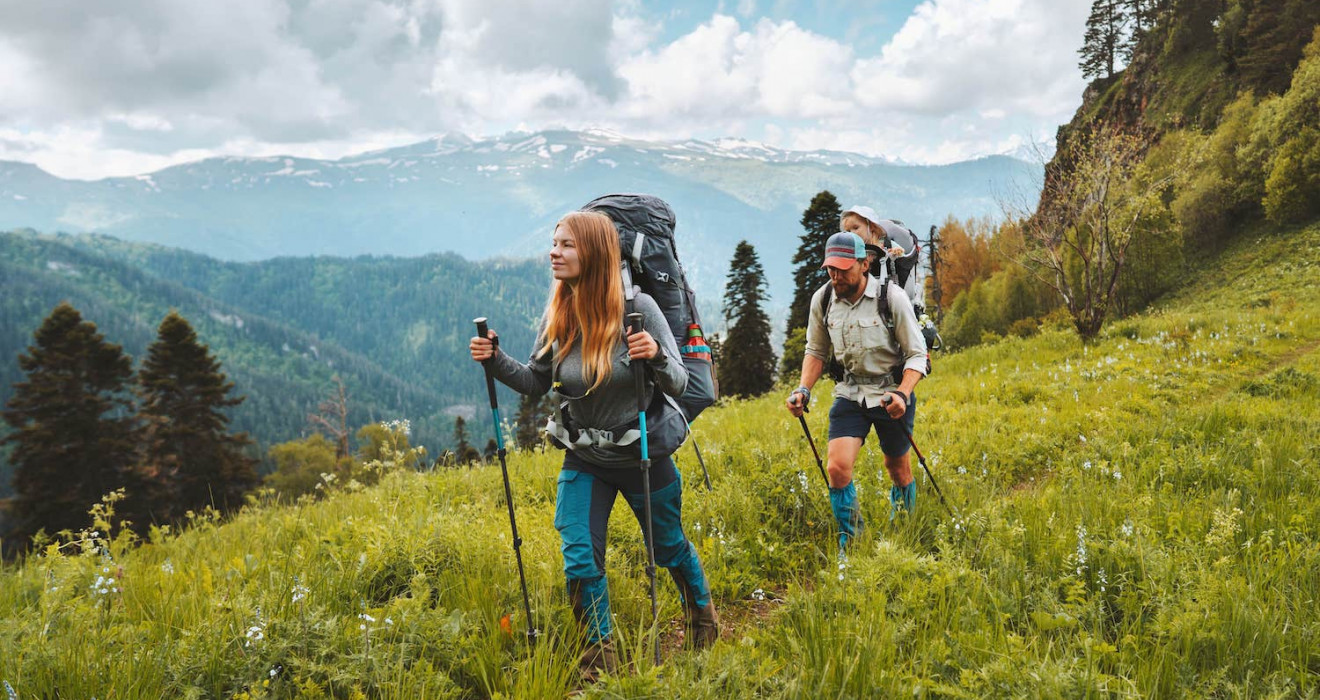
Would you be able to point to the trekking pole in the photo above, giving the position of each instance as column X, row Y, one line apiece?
column 888, row 399
column 639, row 378
column 701, row 461
column 803, row 420
column 532, row 632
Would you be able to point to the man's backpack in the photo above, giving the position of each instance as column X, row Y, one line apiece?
column 646, row 242
column 833, row 368
column 901, row 270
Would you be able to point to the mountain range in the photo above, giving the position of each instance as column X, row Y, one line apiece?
column 498, row 197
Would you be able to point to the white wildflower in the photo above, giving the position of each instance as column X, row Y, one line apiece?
column 758, row 594
column 1080, row 556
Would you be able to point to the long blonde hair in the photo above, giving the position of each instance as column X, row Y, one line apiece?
column 590, row 309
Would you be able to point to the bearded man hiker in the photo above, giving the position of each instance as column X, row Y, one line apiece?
column 871, row 330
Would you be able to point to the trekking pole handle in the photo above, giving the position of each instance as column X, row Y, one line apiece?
column 482, row 330
column 637, row 325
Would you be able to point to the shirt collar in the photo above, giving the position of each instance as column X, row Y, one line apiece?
column 872, row 290
column 872, row 286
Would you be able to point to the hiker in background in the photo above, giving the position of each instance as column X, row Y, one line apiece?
column 892, row 249
column 869, row 327
column 583, row 353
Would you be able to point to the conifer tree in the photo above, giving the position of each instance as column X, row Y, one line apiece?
column 186, row 444
column 819, row 221
column 73, row 428
column 748, row 363
column 464, row 452
column 1104, row 35
column 532, row 411
column 1140, row 15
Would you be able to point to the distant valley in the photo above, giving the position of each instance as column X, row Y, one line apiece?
column 498, row 198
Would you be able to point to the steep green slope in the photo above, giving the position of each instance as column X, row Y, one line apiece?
column 1137, row 517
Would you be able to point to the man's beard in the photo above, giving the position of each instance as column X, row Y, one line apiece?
column 844, row 289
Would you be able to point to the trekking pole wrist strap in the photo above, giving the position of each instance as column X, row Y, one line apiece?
column 806, row 393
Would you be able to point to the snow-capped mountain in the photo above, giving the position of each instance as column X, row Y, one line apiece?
column 499, row 197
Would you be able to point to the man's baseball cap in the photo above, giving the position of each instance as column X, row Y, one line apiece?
column 843, row 250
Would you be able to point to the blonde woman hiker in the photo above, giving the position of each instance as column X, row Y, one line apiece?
column 585, row 353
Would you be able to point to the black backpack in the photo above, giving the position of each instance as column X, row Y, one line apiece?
column 646, row 242
column 833, row 368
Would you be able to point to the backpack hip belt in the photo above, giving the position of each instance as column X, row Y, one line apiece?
column 590, row 437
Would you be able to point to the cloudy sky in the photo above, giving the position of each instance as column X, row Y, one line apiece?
column 98, row 88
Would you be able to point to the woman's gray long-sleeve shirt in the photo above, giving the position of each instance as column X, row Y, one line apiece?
column 614, row 402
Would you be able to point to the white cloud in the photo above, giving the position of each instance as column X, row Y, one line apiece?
column 955, row 55
column 93, row 89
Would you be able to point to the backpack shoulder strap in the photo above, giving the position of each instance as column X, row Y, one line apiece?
column 826, row 299
column 638, row 240
column 882, row 305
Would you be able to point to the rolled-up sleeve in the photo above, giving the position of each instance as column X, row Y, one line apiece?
column 818, row 337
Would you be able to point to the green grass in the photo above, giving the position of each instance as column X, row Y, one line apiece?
column 1137, row 517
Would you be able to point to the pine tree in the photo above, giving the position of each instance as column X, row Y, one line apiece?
column 186, row 444
column 1104, row 34
column 73, row 429
column 1141, row 14
column 464, row 452
column 532, row 411
column 820, row 221
column 748, row 362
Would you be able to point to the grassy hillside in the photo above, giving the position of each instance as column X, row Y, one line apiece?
column 1138, row 517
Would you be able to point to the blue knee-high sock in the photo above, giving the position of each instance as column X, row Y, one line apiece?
column 903, row 498
column 846, row 512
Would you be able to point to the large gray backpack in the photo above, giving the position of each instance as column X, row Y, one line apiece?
column 646, row 241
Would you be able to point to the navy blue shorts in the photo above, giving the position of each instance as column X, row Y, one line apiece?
column 849, row 419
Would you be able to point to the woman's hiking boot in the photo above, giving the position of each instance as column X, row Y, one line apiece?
column 703, row 624
column 598, row 657
column 701, row 621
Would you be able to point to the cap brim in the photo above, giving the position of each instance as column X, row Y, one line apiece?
column 838, row 263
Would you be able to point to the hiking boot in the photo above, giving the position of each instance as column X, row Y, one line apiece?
column 598, row 657
column 702, row 622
